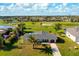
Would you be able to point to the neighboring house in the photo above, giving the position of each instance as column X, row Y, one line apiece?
column 2, row 31
column 73, row 33
column 42, row 36
column 6, row 27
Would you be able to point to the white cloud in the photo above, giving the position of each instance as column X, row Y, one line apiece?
column 11, row 6
column 64, row 4
column 33, row 6
column 37, row 8
column 7, row 8
column 43, row 5
column 1, row 8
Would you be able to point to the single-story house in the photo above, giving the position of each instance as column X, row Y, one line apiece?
column 6, row 27
column 73, row 33
column 42, row 36
column 2, row 31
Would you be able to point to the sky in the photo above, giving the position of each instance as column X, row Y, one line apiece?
column 39, row 9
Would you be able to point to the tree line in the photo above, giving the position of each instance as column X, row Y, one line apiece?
column 40, row 18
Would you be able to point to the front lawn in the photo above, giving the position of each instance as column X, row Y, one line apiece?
column 25, row 48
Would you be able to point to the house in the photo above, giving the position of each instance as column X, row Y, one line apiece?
column 42, row 36
column 2, row 31
column 73, row 33
column 6, row 27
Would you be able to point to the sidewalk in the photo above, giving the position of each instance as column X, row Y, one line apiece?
column 55, row 49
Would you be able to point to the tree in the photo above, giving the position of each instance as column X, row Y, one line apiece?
column 1, row 41
column 9, row 30
column 21, row 27
column 11, row 40
column 57, row 26
column 33, row 40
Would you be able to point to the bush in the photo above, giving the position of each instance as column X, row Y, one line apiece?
column 10, row 39
column 1, row 40
column 57, row 26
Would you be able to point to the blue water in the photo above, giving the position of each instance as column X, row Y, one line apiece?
column 6, row 27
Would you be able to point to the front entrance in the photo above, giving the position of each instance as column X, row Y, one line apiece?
column 51, row 41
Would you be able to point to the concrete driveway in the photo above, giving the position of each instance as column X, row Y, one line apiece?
column 55, row 49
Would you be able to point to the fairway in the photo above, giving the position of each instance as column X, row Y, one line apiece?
column 38, row 26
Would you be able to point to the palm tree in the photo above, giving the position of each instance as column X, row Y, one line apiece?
column 33, row 40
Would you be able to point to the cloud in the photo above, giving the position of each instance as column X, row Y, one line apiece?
column 6, row 8
column 33, row 6
column 1, row 8
column 38, row 9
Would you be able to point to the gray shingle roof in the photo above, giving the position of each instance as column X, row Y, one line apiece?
column 43, row 35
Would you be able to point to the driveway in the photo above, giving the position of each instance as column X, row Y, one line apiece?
column 55, row 49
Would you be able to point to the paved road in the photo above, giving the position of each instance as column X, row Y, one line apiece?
column 55, row 49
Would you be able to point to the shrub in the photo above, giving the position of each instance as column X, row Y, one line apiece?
column 1, row 40
column 57, row 26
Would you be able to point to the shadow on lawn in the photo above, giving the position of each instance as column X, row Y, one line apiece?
column 9, row 47
column 46, row 50
column 28, row 31
column 60, row 40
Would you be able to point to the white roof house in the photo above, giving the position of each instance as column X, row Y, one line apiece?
column 73, row 33
column 2, row 31
column 4, row 28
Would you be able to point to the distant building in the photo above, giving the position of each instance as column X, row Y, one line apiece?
column 73, row 33
column 2, row 31
column 6, row 27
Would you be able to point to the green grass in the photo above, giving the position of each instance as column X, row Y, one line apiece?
column 35, row 26
column 25, row 48
column 2, row 22
column 29, row 51
column 67, row 47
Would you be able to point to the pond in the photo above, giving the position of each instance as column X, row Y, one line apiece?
column 6, row 27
